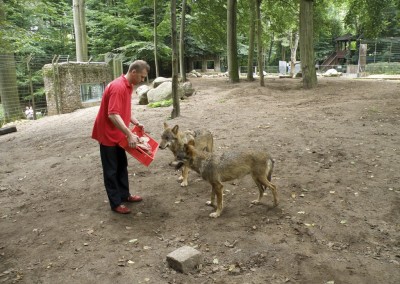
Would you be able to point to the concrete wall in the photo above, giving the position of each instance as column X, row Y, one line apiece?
column 62, row 83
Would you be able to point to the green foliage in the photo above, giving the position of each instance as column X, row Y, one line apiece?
column 373, row 18
column 383, row 68
column 36, row 27
column 207, row 25
column 164, row 103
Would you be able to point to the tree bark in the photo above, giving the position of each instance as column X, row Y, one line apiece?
column 80, row 30
column 181, row 43
column 155, row 38
column 259, row 44
column 306, row 44
column 175, row 96
column 293, row 51
column 233, row 67
column 252, row 4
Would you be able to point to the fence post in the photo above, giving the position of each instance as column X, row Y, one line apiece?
column 28, row 62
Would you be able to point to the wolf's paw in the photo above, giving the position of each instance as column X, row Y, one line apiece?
column 255, row 202
column 209, row 203
column 180, row 178
column 214, row 215
column 184, row 183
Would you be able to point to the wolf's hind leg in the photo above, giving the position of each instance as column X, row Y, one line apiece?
column 261, row 190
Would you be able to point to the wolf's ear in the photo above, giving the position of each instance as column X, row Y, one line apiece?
column 191, row 142
column 165, row 125
column 175, row 129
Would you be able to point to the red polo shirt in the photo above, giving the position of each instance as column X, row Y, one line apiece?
column 116, row 100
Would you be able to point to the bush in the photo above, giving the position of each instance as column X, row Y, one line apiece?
column 383, row 68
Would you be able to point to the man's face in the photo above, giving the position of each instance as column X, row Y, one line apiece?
column 139, row 77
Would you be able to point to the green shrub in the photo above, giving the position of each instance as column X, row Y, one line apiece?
column 164, row 103
column 391, row 68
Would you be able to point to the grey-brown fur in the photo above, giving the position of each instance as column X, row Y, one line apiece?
column 218, row 168
column 175, row 139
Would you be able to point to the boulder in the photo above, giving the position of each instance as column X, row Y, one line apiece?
column 159, row 80
column 142, row 91
column 332, row 73
column 163, row 92
column 187, row 89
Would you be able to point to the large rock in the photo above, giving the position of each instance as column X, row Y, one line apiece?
column 187, row 89
column 163, row 92
column 332, row 73
column 142, row 91
column 184, row 259
column 159, row 80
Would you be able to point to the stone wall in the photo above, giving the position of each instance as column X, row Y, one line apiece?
column 62, row 83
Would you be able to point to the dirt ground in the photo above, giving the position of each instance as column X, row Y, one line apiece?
column 337, row 162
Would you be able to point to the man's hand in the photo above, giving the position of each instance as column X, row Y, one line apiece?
column 132, row 140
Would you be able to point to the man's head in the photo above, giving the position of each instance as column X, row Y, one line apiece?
column 137, row 72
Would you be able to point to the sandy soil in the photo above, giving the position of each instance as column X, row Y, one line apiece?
column 337, row 171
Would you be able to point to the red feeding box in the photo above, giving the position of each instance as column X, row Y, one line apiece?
column 138, row 153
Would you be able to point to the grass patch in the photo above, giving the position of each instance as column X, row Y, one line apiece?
column 164, row 103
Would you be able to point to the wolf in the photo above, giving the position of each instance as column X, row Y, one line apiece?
column 218, row 168
column 174, row 139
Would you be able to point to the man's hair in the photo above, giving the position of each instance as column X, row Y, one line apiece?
column 139, row 66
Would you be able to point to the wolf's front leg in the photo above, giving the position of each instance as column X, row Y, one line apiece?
column 218, row 190
column 212, row 199
column 184, row 176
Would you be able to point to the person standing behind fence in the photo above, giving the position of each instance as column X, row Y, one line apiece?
column 29, row 112
column 110, row 127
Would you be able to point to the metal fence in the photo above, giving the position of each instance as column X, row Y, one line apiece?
column 378, row 56
column 21, row 86
column 21, row 76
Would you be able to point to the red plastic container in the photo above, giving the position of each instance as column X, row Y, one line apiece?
column 138, row 153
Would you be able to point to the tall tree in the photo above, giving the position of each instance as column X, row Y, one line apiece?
column 182, row 42
column 306, row 44
column 80, row 30
column 175, row 95
column 293, row 51
column 259, row 44
column 252, row 32
column 8, row 76
column 233, row 64
column 155, row 38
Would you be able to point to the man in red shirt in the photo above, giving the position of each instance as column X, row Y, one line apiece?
column 110, row 127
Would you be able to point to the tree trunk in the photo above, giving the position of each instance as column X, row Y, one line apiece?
column 175, row 96
column 181, row 42
column 293, row 52
column 270, row 48
column 259, row 44
column 8, row 88
column 155, row 38
column 306, row 44
column 252, row 4
column 80, row 30
column 233, row 66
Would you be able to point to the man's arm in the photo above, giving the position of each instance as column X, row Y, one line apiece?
column 119, row 123
column 136, row 122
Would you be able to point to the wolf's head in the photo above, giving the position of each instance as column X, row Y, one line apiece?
column 169, row 136
column 186, row 154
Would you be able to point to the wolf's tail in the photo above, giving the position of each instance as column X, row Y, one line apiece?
column 270, row 168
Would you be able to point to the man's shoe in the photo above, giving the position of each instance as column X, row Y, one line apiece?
column 134, row 198
column 122, row 209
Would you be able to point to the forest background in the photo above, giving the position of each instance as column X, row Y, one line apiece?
column 35, row 31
